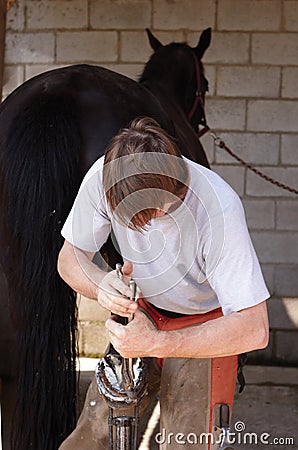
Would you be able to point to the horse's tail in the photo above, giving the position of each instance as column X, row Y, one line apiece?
column 40, row 177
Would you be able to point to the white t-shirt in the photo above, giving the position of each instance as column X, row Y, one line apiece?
column 193, row 260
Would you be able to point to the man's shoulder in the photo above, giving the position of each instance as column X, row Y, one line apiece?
column 210, row 175
column 210, row 187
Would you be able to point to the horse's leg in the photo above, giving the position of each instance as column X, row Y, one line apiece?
column 184, row 399
column 189, row 390
column 92, row 428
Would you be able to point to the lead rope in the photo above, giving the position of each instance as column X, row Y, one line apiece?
column 218, row 142
column 198, row 101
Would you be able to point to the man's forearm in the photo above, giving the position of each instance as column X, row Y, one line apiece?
column 229, row 335
column 79, row 272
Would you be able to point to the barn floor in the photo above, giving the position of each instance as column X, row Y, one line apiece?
column 269, row 404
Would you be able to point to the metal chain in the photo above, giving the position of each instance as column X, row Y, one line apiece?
column 221, row 144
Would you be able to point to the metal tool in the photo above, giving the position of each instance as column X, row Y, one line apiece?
column 123, row 383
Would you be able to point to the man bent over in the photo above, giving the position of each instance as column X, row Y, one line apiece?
column 182, row 233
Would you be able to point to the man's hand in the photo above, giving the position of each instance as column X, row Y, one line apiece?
column 113, row 293
column 139, row 338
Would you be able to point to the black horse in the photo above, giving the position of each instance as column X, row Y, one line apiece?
column 52, row 128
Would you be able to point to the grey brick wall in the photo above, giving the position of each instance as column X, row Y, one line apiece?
column 252, row 67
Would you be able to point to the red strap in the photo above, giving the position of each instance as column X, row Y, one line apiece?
column 167, row 323
column 198, row 98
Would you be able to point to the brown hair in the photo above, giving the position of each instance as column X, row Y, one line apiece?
column 144, row 161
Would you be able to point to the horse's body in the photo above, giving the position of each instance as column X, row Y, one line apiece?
column 52, row 128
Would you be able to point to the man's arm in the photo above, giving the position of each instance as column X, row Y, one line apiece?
column 76, row 268
column 236, row 333
column 74, row 265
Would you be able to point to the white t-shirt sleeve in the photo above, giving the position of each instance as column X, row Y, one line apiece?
column 234, row 272
column 88, row 225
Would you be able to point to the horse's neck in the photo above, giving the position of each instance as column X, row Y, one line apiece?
column 188, row 141
column 165, row 95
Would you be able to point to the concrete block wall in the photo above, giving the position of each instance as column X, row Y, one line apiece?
column 252, row 67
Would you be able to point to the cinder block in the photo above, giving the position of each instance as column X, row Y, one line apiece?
column 134, row 47
column 272, row 115
column 29, row 48
column 13, row 77
column 254, row 148
column 286, row 280
column 225, row 114
column 87, row 46
column 276, row 247
column 208, row 146
column 132, row 71
column 175, row 14
column 271, row 375
column 225, row 48
column 95, row 339
column 287, row 215
column 247, row 15
column 15, row 18
column 248, row 81
column 80, row 339
column 259, row 214
column 286, row 346
column 289, row 149
column 283, row 313
column 290, row 82
column 258, row 187
column 35, row 69
column 116, row 14
column 275, row 48
column 57, row 14
column 291, row 15
column 232, row 175
column 90, row 310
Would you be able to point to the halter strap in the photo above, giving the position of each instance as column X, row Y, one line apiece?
column 199, row 100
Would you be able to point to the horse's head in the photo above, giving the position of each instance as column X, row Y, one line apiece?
column 178, row 68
